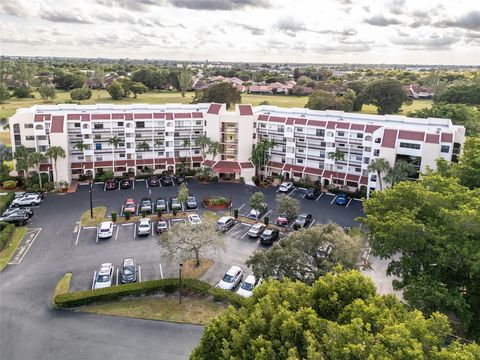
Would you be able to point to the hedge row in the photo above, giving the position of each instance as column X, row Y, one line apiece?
column 79, row 298
column 6, row 200
column 6, row 235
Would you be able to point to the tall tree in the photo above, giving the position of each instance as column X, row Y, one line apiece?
column 143, row 146
column 35, row 159
column 203, row 141
column 185, row 79
column 324, row 100
column 214, row 148
column 288, row 206
column 337, row 155
column 218, row 93
column 401, row 171
column 46, row 92
column 468, row 94
column 21, row 163
column 386, row 94
column 183, row 194
column 138, row 88
column 5, row 153
column 257, row 201
column 187, row 144
column 429, row 231
column 468, row 167
column 4, row 94
column 115, row 90
column 379, row 166
column 55, row 152
column 114, row 142
column 261, row 154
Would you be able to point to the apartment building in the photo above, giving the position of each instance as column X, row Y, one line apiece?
column 163, row 137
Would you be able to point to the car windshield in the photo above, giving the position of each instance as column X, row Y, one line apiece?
column 247, row 286
column 103, row 278
column 130, row 270
column 267, row 232
column 146, row 202
column 161, row 202
column 191, row 198
column 105, row 230
column 162, row 224
column 301, row 217
column 143, row 225
column 228, row 278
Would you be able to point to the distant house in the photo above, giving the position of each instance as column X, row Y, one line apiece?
column 260, row 89
column 418, row 92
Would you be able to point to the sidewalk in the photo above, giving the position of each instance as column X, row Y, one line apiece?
column 73, row 186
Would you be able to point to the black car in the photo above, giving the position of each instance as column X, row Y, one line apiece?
column 129, row 271
column 166, row 180
column 191, row 202
column 180, row 178
column 125, row 184
column 161, row 204
column 27, row 211
column 16, row 218
column 312, row 193
column 153, row 181
column 269, row 236
column 111, row 184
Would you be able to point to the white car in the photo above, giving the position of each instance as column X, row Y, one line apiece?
column 231, row 278
column 27, row 200
column 256, row 230
column 194, row 219
column 225, row 223
column 256, row 214
column 105, row 230
column 104, row 277
column 285, row 187
column 144, row 226
column 250, row 283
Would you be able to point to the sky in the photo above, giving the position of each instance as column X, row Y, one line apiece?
column 305, row 31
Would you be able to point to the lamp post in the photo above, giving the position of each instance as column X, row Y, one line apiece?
column 91, row 202
column 180, row 287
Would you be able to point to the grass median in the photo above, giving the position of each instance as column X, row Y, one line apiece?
column 63, row 286
column 99, row 213
column 7, row 253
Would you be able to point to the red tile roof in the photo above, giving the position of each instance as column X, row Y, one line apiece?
column 57, row 125
column 73, row 116
column 313, row 171
column 214, row 109
column 45, row 167
column 169, row 116
column 275, row 165
column 295, row 168
column 371, row 128
column 197, row 158
column 447, row 137
column 245, row 110
column 142, row 116
column 208, row 163
column 118, row 116
column 318, row 123
column 38, row 118
column 360, row 127
column 103, row 163
column 341, row 125
column 159, row 115
column 432, row 138
column 128, row 116
column 389, row 138
column 277, row 119
column 85, row 117
column 331, row 124
column 411, row 135
column 197, row 115
column 247, row 165
column 262, row 117
column 352, row 177
column 100, row 116
column 227, row 167
column 364, row 180
column 182, row 115
column 300, row 121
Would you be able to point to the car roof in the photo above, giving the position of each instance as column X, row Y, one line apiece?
column 250, row 279
column 225, row 218
column 268, row 231
column 128, row 262
column 258, row 225
column 129, row 200
column 105, row 224
column 233, row 270
column 105, row 268
column 144, row 220
column 194, row 216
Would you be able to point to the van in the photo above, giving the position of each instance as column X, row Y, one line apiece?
column 225, row 223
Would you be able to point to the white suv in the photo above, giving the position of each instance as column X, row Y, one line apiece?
column 250, row 283
column 27, row 200
column 285, row 187
column 231, row 278
column 144, row 226
column 225, row 223
column 105, row 230
column 104, row 277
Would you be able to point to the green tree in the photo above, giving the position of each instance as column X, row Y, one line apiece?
column 138, row 88
column 288, row 206
column 298, row 256
column 183, row 193
column 261, row 154
column 257, row 201
column 214, row 148
column 83, row 93
column 203, row 141
column 114, row 142
column 337, row 155
column 401, row 171
column 55, row 152
column 468, row 94
column 46, row 92
column 325, row 100
column 218, row 93
column 5, row 153
column 21, row 160
column 4, row 94
column 81, row 146
column 185, row 79
column 143, row 146
column 386, row 94
column 35, row 159
column 468, row 167
column 429, row 231
column 66, row 80
column 379, row 166
column 99, row 76
column 115, row 90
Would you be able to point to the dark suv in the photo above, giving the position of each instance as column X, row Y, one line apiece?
column 129, row 271
column 312, row 193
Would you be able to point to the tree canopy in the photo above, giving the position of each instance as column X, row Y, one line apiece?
column 339, row 317
column 218, row 93
column 468, row 94
column 325, row 100
column 429, row 231
column 386, row 94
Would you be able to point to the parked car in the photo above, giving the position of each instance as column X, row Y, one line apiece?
column 191, row 202
column 285, row 187
column 231, row 278
column 104, row 276
column 111, row 184
column 269, row 236
column 250, row 283
column 225, row 223
column 166, row 180
column 12, row 210
column 341, row 199
column 21, row 194
column 180, row 178
column 153, row 181
column 125, row 184
column 303, row 220
column 27, row 200
column 256, row 214
column 282, row 220
column 130, row 206
column 16, row 218
column 144, row 226
column 312, row 193
column 175, row 204
column 128, row 274
column 194, row 219
column 161, row 204
column 105, row 230
column 161, row 226
column 256, row 230
column 146, row 205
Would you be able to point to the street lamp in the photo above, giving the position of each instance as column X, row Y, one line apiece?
column 91, row 202
column 180, row 287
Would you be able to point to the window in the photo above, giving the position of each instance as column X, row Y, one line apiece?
column 299, row 161
column 97, row 125
column 198, row 123
column 368, row 138
column 254, row 136
column 330, row 133
column 85, row 126
column 262, row 125
column 121, row 155
column 38, row 127
column 140, row 124
column 98, row 137
column 320, row 132
column 77, row 125
column 377, row 140
column 445, row 149
column 358, row 170
column 376, row 152
column 98, row 146
column 299, row 129
column 323, row 144
column 340, row 133
column 409, row 146
column 359, row 136
column 29, row 138
column 373, row 177
column 42, row 148
column 282, row 129
column 98, row 158
column 120, row 123
column 28, row 126
column 301, row 139
column 283, row 159
column 41, row 137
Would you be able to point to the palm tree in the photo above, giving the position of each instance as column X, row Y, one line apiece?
column 188, row 144
column 261, row 154
column 80, row 146
column 21, row 157
column 214, row 148
column 203, row 141
column 338, row 155
column 143, row 146
column 55, row 152
column 34, row 159
column 379, row 166
column 114, row 142
column 400, row 172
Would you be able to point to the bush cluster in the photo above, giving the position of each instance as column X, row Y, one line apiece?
column 167, row 286
column 6, row 235
column 9, row 184
column 8, row 199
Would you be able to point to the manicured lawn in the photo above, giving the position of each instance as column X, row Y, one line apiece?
column 7, row 253
column 191, row 270
column 416, row 105
column 98, row 216
column 63, row 285
column 193, row 310
column 3, row 198
column 278, row 100
column 5, row 137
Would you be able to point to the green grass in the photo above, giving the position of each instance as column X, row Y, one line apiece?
column 193, row 310
column 5, row 137
column 415, row 105
column 278, row 100
column 98, row 216
column 3, row 198
column 7, row 253
column 63, row 285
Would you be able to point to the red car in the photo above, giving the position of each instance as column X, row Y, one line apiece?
column 282, row 220
column 130, row 206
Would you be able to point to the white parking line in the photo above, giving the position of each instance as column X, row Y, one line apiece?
column 89, row 227
column 135, row 230
column 146, row 183
column 121, row 211
column 152, row 227
column 119, row 186
column 291, row 192
column 330, row 194
column 128, row 224
column 96, row 239
column 116, row 234
column 233, row 227
column 268, row 212
column 319, row 196
column 94, row 277
column 78, row 234
column 240, row 208
column 133, row 184
column 349, row 201
column 139, row 273
column 116, row 280
column 161, row 270
column 311, row 224
column 244, row 235
column 333, row 200
column 105, row 187
column 304, row 195
column 149, row 192
column 22, row 250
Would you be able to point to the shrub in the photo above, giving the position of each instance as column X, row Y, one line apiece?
column 174, row 212
column 266, row 220
column 114, row 216
column 242, row 179
column 81, row 94
column 214, row 179
column 82, row 177
column 9, row 184
column 144, row 213
column 235, row 213
column 127, row 215
column 104, row 177
column 159, row 213
column 168, row 286
column 32, row 187
column 6, row 234
column 8, row 199
column 296, row 226
column 49, row 186
column 218, row 201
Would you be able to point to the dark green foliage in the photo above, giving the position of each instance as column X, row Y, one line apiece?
column 218, row 93
column 127, row 215
column 114, row 216
column 386, row 94
column 83, row 93
column 66, row 80
column 6, row 200
column 324, row 100
column 6, row 235
column 116, row 90
column 460, row 94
